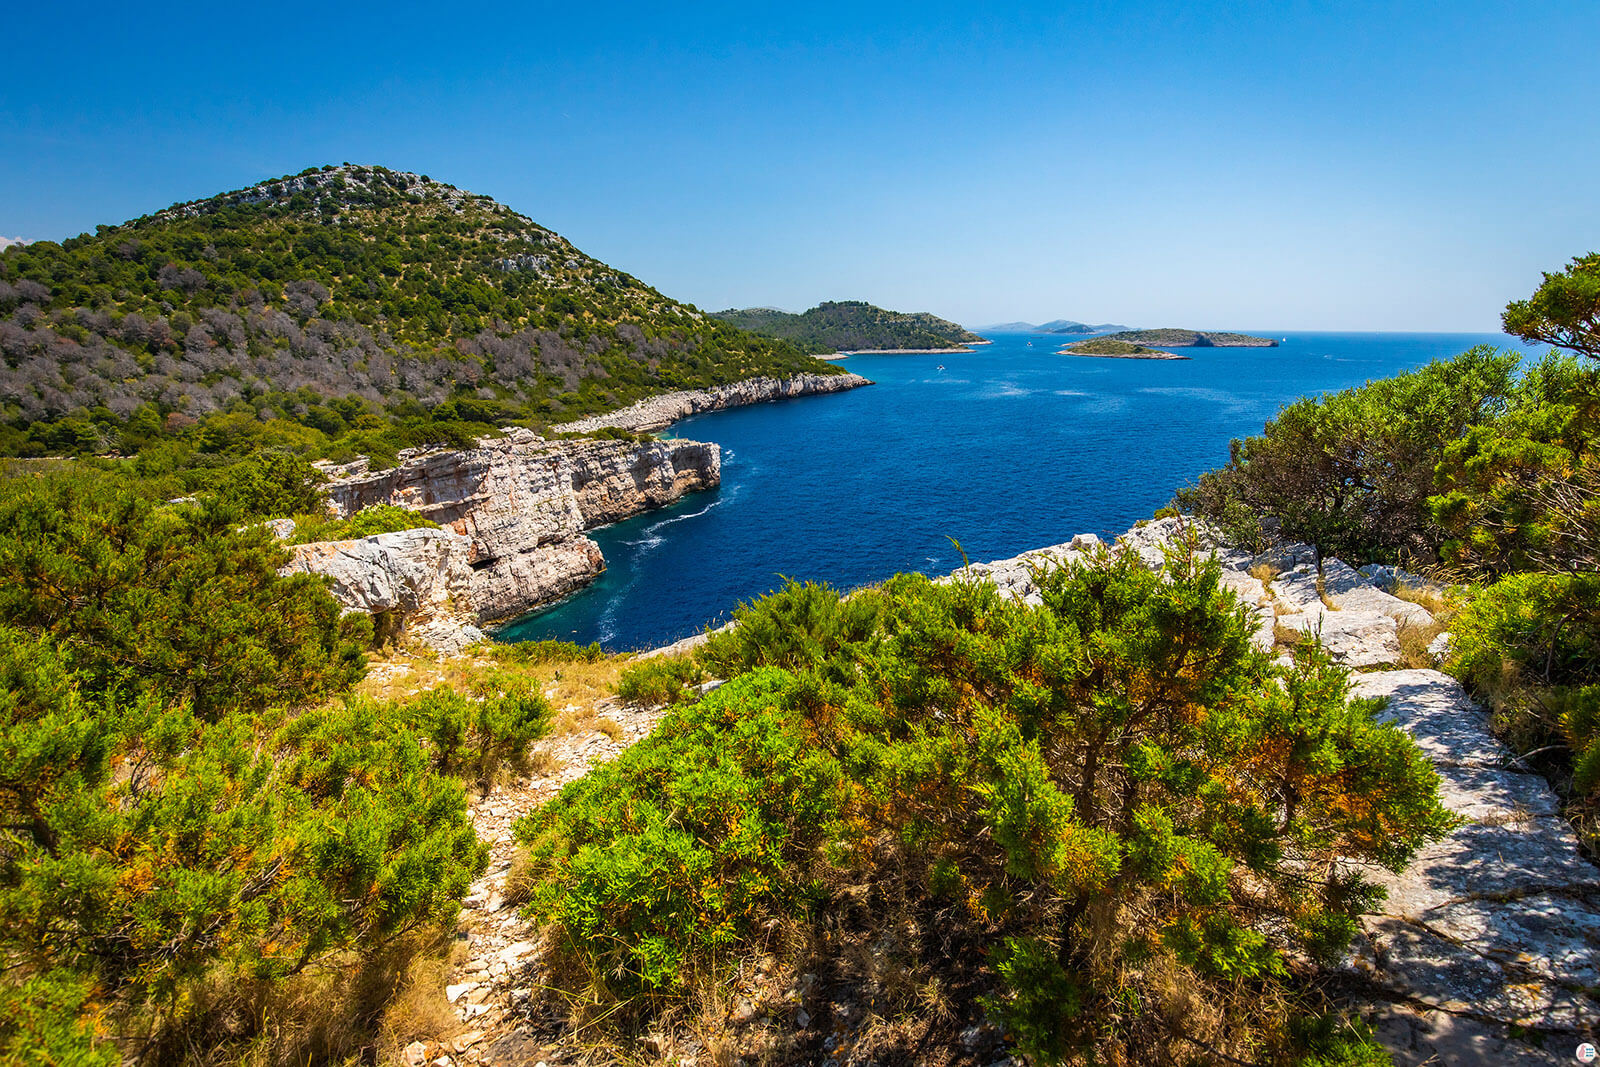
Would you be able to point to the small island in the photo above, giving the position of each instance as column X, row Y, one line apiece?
column 1171, row 338
column 1106, row 348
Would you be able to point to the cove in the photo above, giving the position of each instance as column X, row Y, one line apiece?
column 1006, row 448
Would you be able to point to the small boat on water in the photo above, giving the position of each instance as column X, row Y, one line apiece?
column 941, row 366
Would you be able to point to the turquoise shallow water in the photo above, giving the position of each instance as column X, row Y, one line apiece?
column 1005, row 449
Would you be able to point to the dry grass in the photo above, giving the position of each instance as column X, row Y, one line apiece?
column 610, row 727
column 1431, row 597
column 1265, row 572
column 403, row 673
column 1289, row 636
column 577, row 719
column 542, row 763
column 337, row 1013
column 1414, row 641
column 520, row 879
column 419, row 1010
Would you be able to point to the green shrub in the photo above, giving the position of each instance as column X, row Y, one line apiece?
column 653, row 863
column 475, row 737
column 41, row 1024
column 1351, row 472
column 800, row 626
column 1107, row 789
column 658, row 680
column 173, row 820
column 533, row 653
column 161, row 849
column 271, row 484
column 179, row 601
column 368, row 522
column 1530, row 645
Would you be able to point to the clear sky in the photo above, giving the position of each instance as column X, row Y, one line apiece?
column 1284, row 165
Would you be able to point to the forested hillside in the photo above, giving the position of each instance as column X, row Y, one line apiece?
column 851, row 326
column 340, row 310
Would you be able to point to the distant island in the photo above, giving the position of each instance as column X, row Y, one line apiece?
column 1170, row 338
column 1109, row 348
column 852, row 326
column 1071, row 326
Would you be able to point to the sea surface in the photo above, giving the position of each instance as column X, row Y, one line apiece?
column 1004, row 449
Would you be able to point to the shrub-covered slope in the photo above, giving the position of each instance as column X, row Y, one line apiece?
column 409, row 301
column 851, row 325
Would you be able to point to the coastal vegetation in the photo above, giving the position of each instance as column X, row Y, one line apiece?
column 850, row 326
column 1486, row 471
column 1090, row 818
column 341, row 311
column 1104, row 826
column 1170, row 338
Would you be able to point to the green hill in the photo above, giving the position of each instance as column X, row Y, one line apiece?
column 851, row 326
column 342, row 309
column 1170, row 338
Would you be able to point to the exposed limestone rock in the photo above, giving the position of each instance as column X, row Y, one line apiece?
column 1015, row 575
column 1353, row 638
column 659, row 412
column 420, row 580
column 1351, row 591
column 523, row 503
column 1496, row 926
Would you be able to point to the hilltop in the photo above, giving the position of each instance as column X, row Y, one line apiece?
column 1172, row 338
column 851, row 326
column 339, row 310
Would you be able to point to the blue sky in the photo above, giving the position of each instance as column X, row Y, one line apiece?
column 1278, row 165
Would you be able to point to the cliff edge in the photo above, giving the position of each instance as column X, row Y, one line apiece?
column 521, row 504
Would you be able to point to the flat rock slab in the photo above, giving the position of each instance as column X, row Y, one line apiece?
column 1353, row 638
column 1497, row 924
column 1349, row 590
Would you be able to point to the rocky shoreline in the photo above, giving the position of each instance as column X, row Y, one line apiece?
column 1120, row 355
column 658, row 412
column 513, row 512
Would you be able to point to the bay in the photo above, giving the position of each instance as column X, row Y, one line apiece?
column 1004, row 449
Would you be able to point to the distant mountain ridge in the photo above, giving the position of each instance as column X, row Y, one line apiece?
column 1063, row 326
column 850, row 326
column 337, row 302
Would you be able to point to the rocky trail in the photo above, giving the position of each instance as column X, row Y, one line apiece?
column 1487, row 951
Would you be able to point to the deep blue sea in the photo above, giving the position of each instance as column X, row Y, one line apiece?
column 1004, row 449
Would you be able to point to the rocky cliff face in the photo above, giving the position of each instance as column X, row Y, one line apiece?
column 522, row 504
column 414, row 582
column 659, row 412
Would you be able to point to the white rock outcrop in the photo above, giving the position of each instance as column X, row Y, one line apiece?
column 659, row 412
column 523, row 503
column 418, row 581
column 1494, row 930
